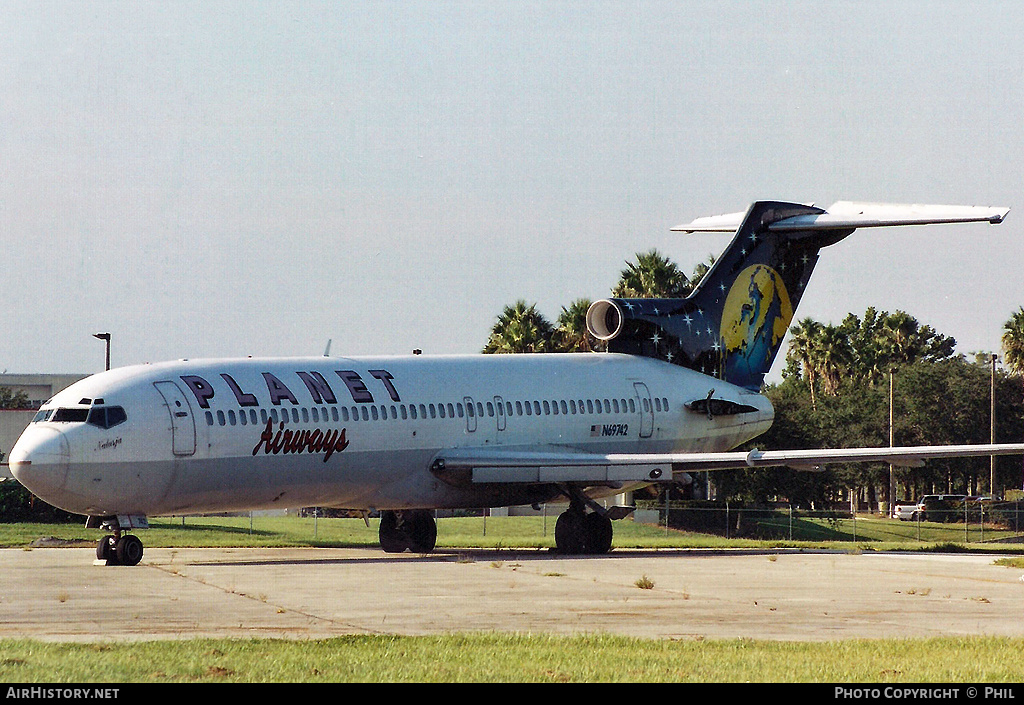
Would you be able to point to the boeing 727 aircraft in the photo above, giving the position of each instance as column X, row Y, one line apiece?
column 675, row 393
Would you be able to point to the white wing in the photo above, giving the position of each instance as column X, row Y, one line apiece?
column 490, row 465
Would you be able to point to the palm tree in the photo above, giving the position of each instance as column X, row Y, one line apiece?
column 572, row 335
column 834, row 355
column 520, row 329
column 653, row 276
column 803, row 350
column 1013, row 342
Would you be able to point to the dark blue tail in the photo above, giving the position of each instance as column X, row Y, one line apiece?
column 733, row 323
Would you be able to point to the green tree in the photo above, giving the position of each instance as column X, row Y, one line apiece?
column 1013, row 342
column 520, row 328
column 9, row 399
column 652, row 276
column 571, row 334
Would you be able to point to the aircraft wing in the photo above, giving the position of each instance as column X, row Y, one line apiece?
column 846, row 215
column 492, row 465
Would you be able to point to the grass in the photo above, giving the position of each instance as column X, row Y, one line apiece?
column 492, row 657
column 536, row 532
column 515, row 658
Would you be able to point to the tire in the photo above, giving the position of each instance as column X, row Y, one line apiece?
column 391, row 539
column 421, row 531
column 599, row 533
column 570, row 533
column 128, row 550
column 105, row 549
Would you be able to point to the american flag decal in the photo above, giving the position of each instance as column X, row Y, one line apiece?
column 595, row 430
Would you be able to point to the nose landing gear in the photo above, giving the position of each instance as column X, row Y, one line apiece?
column 117, row 548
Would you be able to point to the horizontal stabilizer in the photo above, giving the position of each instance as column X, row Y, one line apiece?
column 847, row 215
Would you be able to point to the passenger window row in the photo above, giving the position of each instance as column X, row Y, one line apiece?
column 448, row 410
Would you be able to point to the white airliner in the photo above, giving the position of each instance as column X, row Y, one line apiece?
column 675, row 393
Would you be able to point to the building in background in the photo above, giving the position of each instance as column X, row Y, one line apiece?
column 39, row 388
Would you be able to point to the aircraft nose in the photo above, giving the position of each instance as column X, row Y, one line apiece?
column 39, row 460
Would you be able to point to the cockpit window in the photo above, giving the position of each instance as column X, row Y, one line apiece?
column 107, row 416
column 70, row 415
column 42, row 415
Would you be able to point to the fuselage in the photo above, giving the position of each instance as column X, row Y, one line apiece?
column 361, row 433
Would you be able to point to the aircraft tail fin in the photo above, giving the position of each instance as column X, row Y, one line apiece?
column 732, row 325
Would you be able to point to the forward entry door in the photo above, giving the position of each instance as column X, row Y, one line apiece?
column 183, row 425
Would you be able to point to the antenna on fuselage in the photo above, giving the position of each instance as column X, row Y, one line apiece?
column 327, row 350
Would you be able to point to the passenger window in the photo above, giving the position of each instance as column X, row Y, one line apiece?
column 547, row 408
column 231, row 417
column 209, row 418
column 220, row 418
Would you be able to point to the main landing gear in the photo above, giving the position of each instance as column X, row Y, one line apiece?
column 413, row 529
column 116, row 548
column 577, row 532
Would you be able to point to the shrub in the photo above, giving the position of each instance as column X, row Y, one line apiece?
column 18, row 504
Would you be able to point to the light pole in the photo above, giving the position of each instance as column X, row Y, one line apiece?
column 105, row 337
column 992, row 432
column 892, row 475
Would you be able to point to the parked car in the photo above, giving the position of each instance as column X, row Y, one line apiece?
column 905, row 510
column 931, row 507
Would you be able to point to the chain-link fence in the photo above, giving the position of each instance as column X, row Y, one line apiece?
column 965, row 522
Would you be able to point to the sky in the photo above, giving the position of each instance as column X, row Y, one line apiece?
column 210, row 179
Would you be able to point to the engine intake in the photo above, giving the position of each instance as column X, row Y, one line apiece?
column 605, row 319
